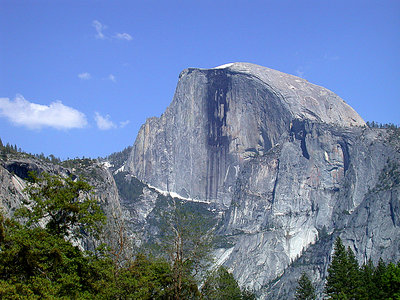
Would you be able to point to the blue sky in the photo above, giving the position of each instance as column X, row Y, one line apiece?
column 78, row 78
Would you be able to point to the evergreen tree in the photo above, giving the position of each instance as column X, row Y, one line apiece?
column 378, row 274
column 354, row 283
column 343, row 274
column 305, row 289
column 390, row 281
column 368, row 286
column 59, row 201
column 221, row 285
column 188, row 248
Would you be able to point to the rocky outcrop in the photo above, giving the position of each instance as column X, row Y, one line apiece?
column 286, row 201
column 280, row 166
column 290, row 164
column 221, row 117
column 14, row 172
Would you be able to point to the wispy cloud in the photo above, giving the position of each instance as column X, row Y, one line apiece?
column 112, row 78
column 100, row 32
column 123, row 36
column 84, row 76
column 104, row 123
column 36, row 116
column 99, row 29
column 124, row 123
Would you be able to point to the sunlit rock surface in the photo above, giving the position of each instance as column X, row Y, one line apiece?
column 289, row 163
column 221, row 117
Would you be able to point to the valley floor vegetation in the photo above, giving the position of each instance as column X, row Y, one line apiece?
column 40, row 257
column 347, row 280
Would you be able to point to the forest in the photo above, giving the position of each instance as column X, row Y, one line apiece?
column 40, row 257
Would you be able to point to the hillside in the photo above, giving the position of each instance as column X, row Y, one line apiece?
column 279, row 168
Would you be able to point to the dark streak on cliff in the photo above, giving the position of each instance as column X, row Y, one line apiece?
column 217, row 142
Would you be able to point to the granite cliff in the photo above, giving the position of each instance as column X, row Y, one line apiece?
column 279, row 166
column 288, row 164
column 221, row 117
column 14, row 173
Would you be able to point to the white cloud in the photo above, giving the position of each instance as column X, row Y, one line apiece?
column 104, row 123
column 99, row 29
column 36, row 116
column 85, row 76
column 123, row 36
column 124, row 123
column 112, row 78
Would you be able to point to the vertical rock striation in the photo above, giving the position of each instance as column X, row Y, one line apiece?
column 220, row 118
column 290, row 164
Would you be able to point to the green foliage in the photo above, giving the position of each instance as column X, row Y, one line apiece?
column 220, row 285
column 368, row 286
column 146, row 279
column 35, row 262
column 80, row 164
column 337, row 271
column 389, row 177
column 389, row 281
column 42, row 263
column 64, row 204
column 374, row 124
column 129, row 188
column 346, row 280
column 323, row 233
column 10, row 150
column 117, row 159
column 187, row 245
column 344, row 275
column 305, row 289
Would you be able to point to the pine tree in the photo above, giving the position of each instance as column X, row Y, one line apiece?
column 59, row 201
column 343, row 273
column 354, row 283
column 187, row 246
column 305, row 289
column 368, row 286
column 220, row 285
column 379, row 272
column 390, row 281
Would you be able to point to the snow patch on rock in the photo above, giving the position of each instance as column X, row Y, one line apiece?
column 176, row 195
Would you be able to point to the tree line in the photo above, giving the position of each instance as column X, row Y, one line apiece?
column 374, row 124
column 40, row 256
column 347, row 280
column 14, row 149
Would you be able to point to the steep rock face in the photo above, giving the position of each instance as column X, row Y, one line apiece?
column 332, row 184
column 14, row 171
column 11, row 191
column 221, row 117
column 292, row 165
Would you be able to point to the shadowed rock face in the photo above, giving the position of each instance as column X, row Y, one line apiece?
column 14, row 174
column 290, row 164
column 324, row 179
column 285, row 165
column 220, row 118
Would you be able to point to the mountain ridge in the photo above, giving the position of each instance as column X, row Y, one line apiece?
column 283, row 159
column 279, row 183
